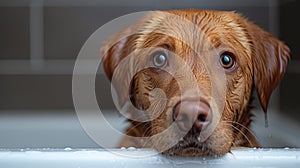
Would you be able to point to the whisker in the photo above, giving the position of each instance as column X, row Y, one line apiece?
column 159, row 98
column 147, row 131
column 135, row 126
column 163, row 141
column 241, row 133
column 250, row 131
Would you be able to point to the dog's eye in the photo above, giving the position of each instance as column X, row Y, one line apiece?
column 227, row 60
column 159, row 59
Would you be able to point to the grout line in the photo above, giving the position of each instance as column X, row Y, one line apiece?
column 36, row 18
column 274, row 17
column 49, row 67
column 65, row 67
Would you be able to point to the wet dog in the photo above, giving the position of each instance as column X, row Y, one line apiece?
column 186, row 77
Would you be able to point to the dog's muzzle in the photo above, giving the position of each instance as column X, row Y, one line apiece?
column 192, row 113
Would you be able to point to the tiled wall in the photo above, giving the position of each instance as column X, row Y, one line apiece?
column 66, row 26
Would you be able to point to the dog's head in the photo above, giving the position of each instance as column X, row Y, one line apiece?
column 192, row 73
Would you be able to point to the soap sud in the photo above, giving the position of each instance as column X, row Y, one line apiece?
column 286, row 148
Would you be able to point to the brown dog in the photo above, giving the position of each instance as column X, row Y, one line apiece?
column 185, row 79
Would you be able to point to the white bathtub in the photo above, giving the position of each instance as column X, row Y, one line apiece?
column 60, row 141
column 68, row 158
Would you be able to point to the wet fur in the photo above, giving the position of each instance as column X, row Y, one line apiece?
column 262, row 60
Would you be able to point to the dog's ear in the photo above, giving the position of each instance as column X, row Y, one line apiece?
column 269, row 58
column 112, row 52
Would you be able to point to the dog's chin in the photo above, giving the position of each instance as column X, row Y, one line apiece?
column 189, row 149
column 213, row 146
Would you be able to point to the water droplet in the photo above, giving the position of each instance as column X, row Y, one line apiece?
column 123, row 148
column 199, row 138
column 266, row 121
column 204, row 158
column 181, row 139
column 68, row 149
column 286, row 148
column 131, row 148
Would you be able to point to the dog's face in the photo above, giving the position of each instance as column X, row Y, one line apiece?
column 192, row 73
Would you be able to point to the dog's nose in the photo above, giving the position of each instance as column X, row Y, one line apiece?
column 188, row 114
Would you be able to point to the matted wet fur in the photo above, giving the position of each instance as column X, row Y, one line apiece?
column 259, row 58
